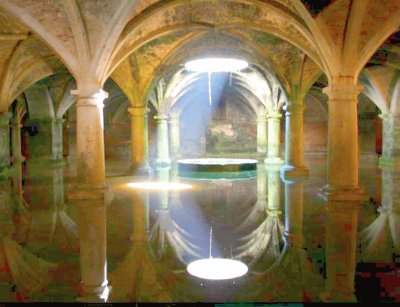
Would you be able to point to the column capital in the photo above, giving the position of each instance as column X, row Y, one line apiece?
column 161, row 117
column 89, row 98
column 274, row 115
column 343, row 91
column 294, row 108
column 138, row 111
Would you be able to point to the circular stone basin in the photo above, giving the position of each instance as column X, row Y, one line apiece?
column 217, row 165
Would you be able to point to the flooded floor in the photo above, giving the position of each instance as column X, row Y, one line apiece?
column 296, row 246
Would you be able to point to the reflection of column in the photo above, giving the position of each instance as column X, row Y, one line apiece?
column 90, row 138
column 139, row 141
column 57, row 139
column 4, row 139
column 274, row 132
column 294, row 213
column 92, row 242
column 274, row 184
column 294, row 142
column 162, row 140
column 139, row 218
column 175, row 140
column 16, row 143
column 341, row 238
column 391, row 140
column 261, row 136
column 342, row 141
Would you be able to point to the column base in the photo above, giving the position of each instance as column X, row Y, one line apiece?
column 94, row 294
column 140, row 170
column 93, row 195
column 273, row 161
column 290, row 171
column 331, row 194
column 163, row 162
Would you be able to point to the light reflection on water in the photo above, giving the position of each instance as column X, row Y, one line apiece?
column 288, row 237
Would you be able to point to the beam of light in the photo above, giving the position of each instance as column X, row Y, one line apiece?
column 217, row 268
column 154, row 185
column 216, row 65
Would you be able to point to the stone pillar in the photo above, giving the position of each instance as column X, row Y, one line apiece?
column 163, row 175
column 341, row 239
column 57, row 139
column 391, row 140
column 4, row 139
column 139, row 219
column 342, row 141
column 16, row 143
column 90, row 138
column 294, row 142
column 65, row 138
column 139, row 141
column 294, row 213
column 261, row 136
column 40, row 145
column 274, row 132
column 175, row 138
column 92, row 243
column 162, row 140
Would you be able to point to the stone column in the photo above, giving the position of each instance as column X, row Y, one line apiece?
column 274, row 131
column 90, row 138
column 65, row 138
column 391, row 140
column 92, row 243
column 175, row 137
column 16, row 143
column 139, row 141
column 261, row 136
column 162, row 140
column 294, row 142
column 342, row 141
column 57, row 139
column 4, row 139
column 341, row 239
column 294, row 213
column 163, row 175
column 40, row 145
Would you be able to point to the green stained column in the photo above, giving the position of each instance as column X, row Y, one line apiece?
column 4, row 139
column 139, row 141
column 57, row 139
column 274, row 131
column 175, row 137
column 261, row 136
column 162, row 140
column 16, row 143
column 390, row 140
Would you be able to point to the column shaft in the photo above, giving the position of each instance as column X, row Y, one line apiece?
column 16, row 143
column 57, row 139
column 4, row 139
column 175, row 138
column 391, row 140
column 343, row 141
column 274, row 132
column 294, row 213
column 261, row 136
column 90, row 139
column 294, row 142
column 162, row 140
column 139, row 140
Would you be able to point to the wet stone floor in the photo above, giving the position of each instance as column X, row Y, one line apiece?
column 297, row 247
